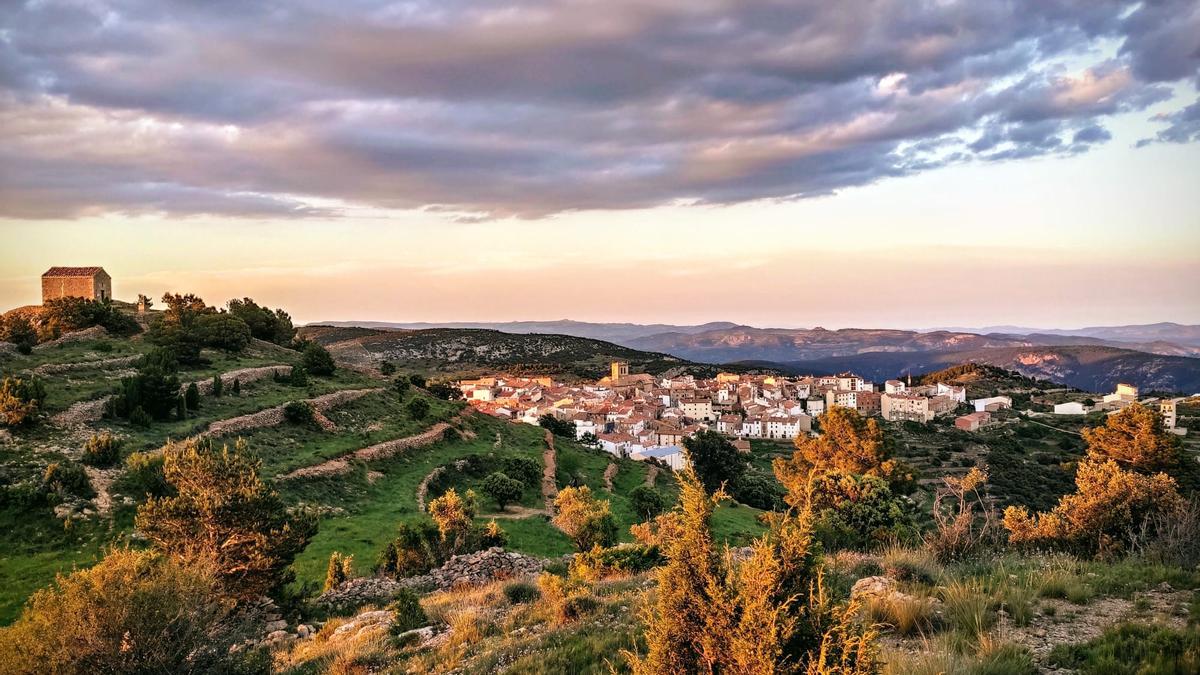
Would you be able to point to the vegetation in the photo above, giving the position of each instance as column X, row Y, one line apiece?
column 63, row 315
column 714, row 459
column 341, row 568
column 502, row 489
column 102, row 450
column 588, row 521
column 223, row 516
column 20, row 401
column 556, row 426
column 316, row 360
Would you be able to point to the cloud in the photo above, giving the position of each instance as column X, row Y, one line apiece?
column 542, row 106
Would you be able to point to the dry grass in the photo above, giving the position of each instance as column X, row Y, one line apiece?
column 905, row 615
column 968, row 607
column 915, row 565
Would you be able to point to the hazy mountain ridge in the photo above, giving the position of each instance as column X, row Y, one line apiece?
column 1163, row 331
column 1091, row 368
column 611, row 332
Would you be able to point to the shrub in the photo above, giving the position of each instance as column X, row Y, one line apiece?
column 447, row 392
column 144, row 471
column 223, row 515
column 525, row 469
column 413, row 551
column 1133, row 648
column 905, row 614
column 600, row 563
column 714, row 459
column 317, row 360
column 417, row 380
column 759, row 490
column 855, row 511
column 134, row 612
column 417, row 408
column 406, row 612
column 585, row 519
column 521, row 592
column 340, row 568
column 102, row 450
column 1110, row 507
column 264, row 324
column 453, row 514
column 400, row 385
column 849, row 443
column 556, row 426
column 298, row 377
column 155, row 388
column 647, row 502
column 20, row 400
column 18, row 330
column 957, row 532
column 488, row 536
column 74, row 313
column 237, row 386
column 300, row 413
column 502, row 489
column 218, row 387
column 139, row 418
column 223, row 331
column 387, row 368
column 577, row 607
column 907, row 564
column 1134, row 437
column 967, row 607
column 191, row 397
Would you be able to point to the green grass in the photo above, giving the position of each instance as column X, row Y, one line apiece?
column 1133, row 649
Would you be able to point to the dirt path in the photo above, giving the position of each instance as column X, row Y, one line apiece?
column 274, row 416
column 370, row 453
column 514, row 512
column 610, row 472
column 651, row 475
column 549, row 473
column 102, row 480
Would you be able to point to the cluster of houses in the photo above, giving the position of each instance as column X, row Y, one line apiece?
column 642, row 416
column 1125, row 394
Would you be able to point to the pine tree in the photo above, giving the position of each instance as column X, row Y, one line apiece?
column 192, row 397
column 217, row 386
column 237, row 387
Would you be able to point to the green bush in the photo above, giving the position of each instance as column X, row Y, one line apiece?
column 101, row 450
column 191, row 397
column 577, row 607
column 647, row 502
column 144, row 473
column 1133, row 649
column 502, row 489
column 223, row 331
column 418, row 408
column 299, row 413
column 525, row 469
column 64, row 479
column 317, row 360
column 407, row 613
column 298, row 377
column 521, row 592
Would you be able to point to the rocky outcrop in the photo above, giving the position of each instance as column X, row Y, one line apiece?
column 469, row 569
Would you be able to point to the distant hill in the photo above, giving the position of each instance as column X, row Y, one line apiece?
column 743, row 343
column 1091, row 368
column 463, row 351
column 619, row 333
column 1162, row 332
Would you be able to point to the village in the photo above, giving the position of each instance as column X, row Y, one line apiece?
column 643, row 417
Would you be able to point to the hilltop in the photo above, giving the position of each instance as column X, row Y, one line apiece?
column 468, row 351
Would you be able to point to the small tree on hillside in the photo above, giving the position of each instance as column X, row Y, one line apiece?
column 587, row 520
column 298, row 377
column 418, row 408
column 18, row 330
column 848, row 443
column 18, row 402
column 237, row 386
column 317, row 360
column 191, row 397
column 223, row 515
column 714, row 459
column 218, row 387
column 453, row 515
column 556, row 426
column 647, row 502
column 340, row 569
column 400, row 385
column 1134, row 437
column 502, row 489
column 417, row 380
column 223, row 331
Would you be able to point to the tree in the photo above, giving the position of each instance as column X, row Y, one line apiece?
column 768, row 614
column 300, row 413
column 556, row 426
column 502, row 489
column 182, row 341
column 387, row 367
column 133, row 612
column 317, row 360
column 401, row 385
column 445, row 391
column 418, row 408
column 647, row 502
column 589, row 440
column 237, row 386
column 587, row 520
column 223, row 515
column 17, row 329
column 414, row 551
column 853, row 510
column 417, row 380
column 453, row 515
column 264, row 324
column 714, row 459
column 849, row 443
column 298, row 377
column 191, row 397
column 74, row 313
column 218, row 387
column 223, row 331
column 340, row 569
column 1134, row 437
column 1108, row 509
column 19, row 401
column 155, row 388
column 183, row 310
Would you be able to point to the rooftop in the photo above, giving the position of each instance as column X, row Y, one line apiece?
column 73, row 271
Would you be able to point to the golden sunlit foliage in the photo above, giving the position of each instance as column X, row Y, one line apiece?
column 587, row 520
column 453, row 514
column 1134, row 437
column 767, row 614
column 134, row 612
column 849, row 443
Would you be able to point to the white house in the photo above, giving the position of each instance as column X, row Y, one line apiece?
column 671, row 455
column 958, row 394
column 752, row 427
column 1069, row 408
column 991, row 404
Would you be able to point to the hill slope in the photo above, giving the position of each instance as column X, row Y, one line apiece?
column 464, row 351
column 619, row 333
column 1091, row 368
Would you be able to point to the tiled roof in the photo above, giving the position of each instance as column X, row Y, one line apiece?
column 73, row 271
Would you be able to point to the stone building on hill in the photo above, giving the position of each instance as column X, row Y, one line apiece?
column 92, row 283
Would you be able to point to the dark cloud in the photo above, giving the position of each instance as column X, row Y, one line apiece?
column 541, row 106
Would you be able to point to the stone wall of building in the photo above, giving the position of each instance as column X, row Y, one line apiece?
column 64, row 287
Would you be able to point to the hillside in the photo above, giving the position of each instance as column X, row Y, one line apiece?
column 455, row 351
column 744, row 343
column 1090, row 368
column 619, row 333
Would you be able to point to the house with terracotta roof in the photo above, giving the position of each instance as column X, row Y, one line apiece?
column 91, row 283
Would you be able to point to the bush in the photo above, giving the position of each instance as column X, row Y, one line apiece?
column 264, row 324
column 317, row 360
column 418, row 408
column 521, row 592
column 218, row 386
column 67, row 314
column 387, row 368
column 414, row 551
column 417, row 380
column 600, row 563
column 576, row 607
column 647, row 502
column 856, row 511
column 1134, row 649
column 18, row 330
column 502, row 489
column 524, row 469
column 155, row 389
column 585, row 519
column 300, row 413
column 20, row 400
column 448, row 392
column 134, row 612
column 101, row 450
column 144, row 471
column 223, row 515
column 558, row 427
column 905, row 614
column 757, row 490
column 223, row 331
column 64, row 479
column 340, row 569
column 191, row 397
column 400, row 385
column 139, row 418
column 298, row 377
column 407, row 613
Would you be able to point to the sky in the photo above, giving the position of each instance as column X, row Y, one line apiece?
column 791, row 163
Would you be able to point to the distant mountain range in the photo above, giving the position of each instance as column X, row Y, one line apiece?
column 1156, row 356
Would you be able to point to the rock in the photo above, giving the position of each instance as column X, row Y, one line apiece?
column 418, row 636
column 279, row 636
column 273, row 626
column 303, row 630
column 872, row 587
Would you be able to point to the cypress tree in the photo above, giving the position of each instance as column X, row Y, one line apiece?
column 192, row 397
column 217, row 386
